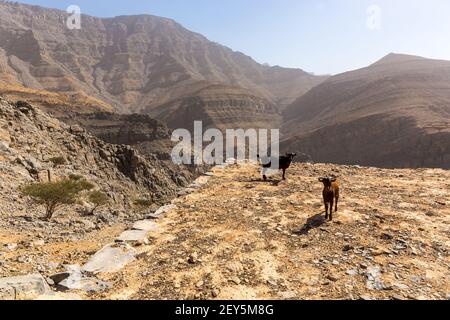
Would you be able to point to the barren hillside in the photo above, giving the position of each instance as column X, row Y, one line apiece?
column 394, row 113
column 130, row 62
column 240, row 238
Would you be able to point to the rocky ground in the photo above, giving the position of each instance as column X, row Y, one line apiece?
column 29, row 140
column 235, row 237
column 241, row 238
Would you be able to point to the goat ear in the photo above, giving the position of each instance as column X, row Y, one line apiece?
column 321, row 179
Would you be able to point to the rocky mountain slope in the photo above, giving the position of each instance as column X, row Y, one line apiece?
column 238, row 237
column 394, row 113
column 57, row 104
column 219, row 106
column 145, row 134
column 31, row 138
column 130, row 62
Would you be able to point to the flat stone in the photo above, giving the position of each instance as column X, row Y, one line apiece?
column 111, row 258
column 145, row 225
column 139, row 236
column 162, row 211
column 78, row 282
column 23, row 287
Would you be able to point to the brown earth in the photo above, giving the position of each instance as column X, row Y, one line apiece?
column 241, row 238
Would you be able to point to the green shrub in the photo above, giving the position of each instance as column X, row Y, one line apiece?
column 98, row 199
column 56, row 194
column 58, row 161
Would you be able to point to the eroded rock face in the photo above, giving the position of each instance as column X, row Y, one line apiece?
column 130, row 62
column 222, row 107
column 119, row 170
column 150, row 136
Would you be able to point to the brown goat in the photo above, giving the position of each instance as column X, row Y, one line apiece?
column 330, row 195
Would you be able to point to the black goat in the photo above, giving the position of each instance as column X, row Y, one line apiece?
column 283, row 164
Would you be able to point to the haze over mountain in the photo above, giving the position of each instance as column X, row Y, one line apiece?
column 394, row 113
column 133, row 63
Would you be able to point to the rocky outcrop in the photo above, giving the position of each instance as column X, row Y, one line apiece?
column 151, row 137
column 30, row 138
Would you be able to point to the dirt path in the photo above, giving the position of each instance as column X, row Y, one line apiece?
column 240, row 238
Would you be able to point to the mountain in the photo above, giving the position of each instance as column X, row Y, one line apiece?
column 30, row 138
column 394, row 113
column 219, row 106
column 132, row 63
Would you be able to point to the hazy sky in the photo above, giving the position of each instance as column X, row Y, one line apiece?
column 320, row 36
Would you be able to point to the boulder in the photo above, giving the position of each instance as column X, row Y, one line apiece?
column 23, row 287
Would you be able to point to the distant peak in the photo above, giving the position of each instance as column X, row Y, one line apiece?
column 396, row 58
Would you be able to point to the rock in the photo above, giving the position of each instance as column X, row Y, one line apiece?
column 332, row 278
column 145, row 225
column 78, row 282
column 387, row 236
column 11, row 246
column 380, row 251
column 4, row 147
column 24, row 287
column 236, row 280
column 400, row 286
column 161, row 211
column 193, row 258
column 58, row 277
column 374, row 281
column 199, row 284
column 215, row 293
column 134, row 236
column 76, row 129
column 352, row 272
column 38, row 243
column 88, row 224
column 347, row 247
column 111, row 258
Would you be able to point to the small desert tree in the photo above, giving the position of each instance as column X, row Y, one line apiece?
column 98, row 199
column 56, row 194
